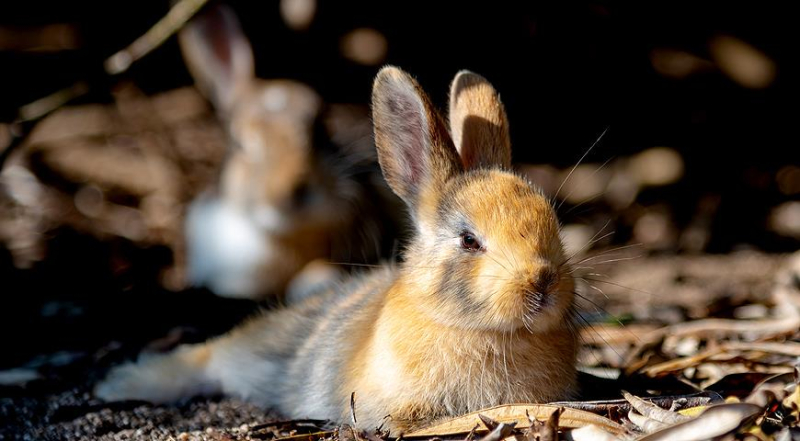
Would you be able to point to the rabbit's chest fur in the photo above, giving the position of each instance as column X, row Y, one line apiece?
column 414, row 368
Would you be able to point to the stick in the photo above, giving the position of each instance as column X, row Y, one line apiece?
column 29, row 114
column 177, row 16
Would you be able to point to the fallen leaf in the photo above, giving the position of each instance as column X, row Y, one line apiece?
column 569, row 418
column 715, row 421
column 653, row 412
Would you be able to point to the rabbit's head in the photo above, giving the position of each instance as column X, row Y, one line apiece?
column 487, row 252
column 282, row 177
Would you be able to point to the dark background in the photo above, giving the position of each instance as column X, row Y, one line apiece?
column 566, row 72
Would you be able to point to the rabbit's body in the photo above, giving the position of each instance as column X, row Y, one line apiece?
column 478, row 314
column 283, row 184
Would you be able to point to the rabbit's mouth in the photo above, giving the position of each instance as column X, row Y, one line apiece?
column 536, row 302
column 542, row 308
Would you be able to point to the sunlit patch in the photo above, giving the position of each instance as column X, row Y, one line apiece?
column 364, row 46
column 742, row 62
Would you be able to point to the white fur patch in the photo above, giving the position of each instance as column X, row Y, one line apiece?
column 226, row 250
column 275, row 99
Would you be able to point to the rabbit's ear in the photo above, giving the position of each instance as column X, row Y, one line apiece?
column 478, row 122
column 218, row 55
column 414, row 150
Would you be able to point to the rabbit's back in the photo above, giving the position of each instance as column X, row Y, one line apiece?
column 293, row 359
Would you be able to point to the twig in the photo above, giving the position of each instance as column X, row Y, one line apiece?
column 604, row 406
column 177, row 16
column 29, row 114
column 789, row 348
column 43, row 106
column 732, row 349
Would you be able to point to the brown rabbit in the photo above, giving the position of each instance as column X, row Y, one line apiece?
column 286, row 195
column 479, row 313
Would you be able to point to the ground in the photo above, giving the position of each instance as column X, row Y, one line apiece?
column 59, row 405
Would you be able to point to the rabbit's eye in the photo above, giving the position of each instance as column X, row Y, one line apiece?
column 301, row 195
column 469, row 242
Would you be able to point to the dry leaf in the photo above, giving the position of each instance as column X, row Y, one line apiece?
column 715, row 421
column 569, row 418
column 653, row 412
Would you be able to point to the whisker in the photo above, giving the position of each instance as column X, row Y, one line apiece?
column 592, row 328
column 483, row 370
column 505, row 367
column 575, row 269
column 591, row 199
column 579, row 161
column 618, row 285
column 599, row 308
column 501, row 265
column 595, row 288
column 564, row 199
column 593, row 240
column 603, row 253
column 356, row 264
column 514, row 258
column 621, row 259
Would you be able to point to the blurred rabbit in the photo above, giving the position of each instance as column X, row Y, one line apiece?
column 286, row 195
column 478, row 314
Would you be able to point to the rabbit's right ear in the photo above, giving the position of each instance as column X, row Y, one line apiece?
column 218, row 56
column 414, row 149
column 478, row 122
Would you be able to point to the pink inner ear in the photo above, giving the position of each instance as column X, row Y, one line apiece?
column 409, row 131
column 222, row 50
column 215, row 30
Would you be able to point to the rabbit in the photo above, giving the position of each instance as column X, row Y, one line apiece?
column 479, row 312
column 286, row 196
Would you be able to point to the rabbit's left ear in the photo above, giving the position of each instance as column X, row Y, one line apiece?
column 478, row 122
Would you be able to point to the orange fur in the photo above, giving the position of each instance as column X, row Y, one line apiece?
column 458, row 326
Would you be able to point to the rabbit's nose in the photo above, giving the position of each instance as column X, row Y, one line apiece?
column 268, row 218
column 544, row 279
